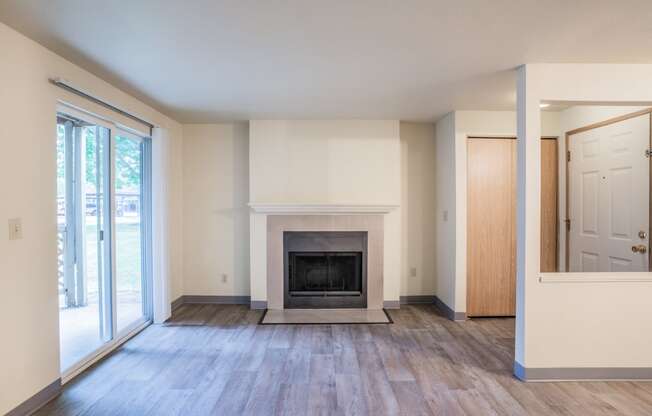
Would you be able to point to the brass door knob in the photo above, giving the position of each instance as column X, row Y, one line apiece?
column 641, row 248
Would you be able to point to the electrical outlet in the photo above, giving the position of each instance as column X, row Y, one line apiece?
column 225, row 278
column 413, row 272
column 15, row 229
column 445, row 215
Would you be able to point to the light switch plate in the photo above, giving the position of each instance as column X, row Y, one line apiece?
column 413, row 272
column 15, row 229
column 445, row 215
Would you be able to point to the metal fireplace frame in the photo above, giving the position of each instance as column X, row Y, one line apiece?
column 324, row 242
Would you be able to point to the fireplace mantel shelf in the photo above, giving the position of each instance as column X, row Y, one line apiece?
column 285, row 208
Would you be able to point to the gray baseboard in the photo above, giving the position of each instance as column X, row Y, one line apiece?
column 176, row 303
column 261, row 304
column 210, row 299
column 433, row 299
column 582, row 373
column 448, row 312
column 218, row 300
column 258, row 304
column 417, row 299
column 38, row 400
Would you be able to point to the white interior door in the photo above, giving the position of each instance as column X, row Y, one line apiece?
column 609, row 197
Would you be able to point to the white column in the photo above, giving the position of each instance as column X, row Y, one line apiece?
column 528, row 237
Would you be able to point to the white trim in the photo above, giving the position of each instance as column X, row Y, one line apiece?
column 101, row 352
column 82, row 114
column 284, row 208
column 510, row 136
column 97, row 118
column 160, row 219
column 112, row 241
column 129, row 328
column 594, row 278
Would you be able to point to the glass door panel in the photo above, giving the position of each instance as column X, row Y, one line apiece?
column 129, row 230
column 83, row 221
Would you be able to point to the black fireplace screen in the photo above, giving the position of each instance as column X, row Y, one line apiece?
column 321, row 273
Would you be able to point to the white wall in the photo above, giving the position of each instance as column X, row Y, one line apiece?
column 418, row 208
column 564, row 322
column 215, row 211
column 452, row 134
column 338, row 162
column 29, row 351
column 325, row 161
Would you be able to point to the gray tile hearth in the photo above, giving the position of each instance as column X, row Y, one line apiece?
column 325, row 316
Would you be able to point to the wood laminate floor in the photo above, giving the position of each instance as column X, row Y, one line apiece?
column 215, row 360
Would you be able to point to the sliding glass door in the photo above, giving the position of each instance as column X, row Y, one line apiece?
column 83, row 221
column 103, row 227
column 131, row 207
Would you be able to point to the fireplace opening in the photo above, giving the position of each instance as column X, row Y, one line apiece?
column 325, row 273
column 325, row 269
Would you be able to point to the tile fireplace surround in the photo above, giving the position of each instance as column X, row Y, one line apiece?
column 372, row 224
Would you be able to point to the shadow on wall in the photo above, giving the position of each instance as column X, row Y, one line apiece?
column 240, row 200
column 418, row 208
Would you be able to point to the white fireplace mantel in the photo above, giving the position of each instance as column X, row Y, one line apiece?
column 289, row 209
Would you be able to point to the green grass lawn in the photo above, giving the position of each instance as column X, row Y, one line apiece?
column 128, row 257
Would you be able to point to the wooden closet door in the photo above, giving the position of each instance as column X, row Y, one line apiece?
column 491, row 225
column 549, row 215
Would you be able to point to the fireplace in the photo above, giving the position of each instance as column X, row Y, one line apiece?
column 325, row 269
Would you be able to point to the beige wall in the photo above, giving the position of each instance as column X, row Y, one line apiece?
column 418, row 276
column 176, row 197
column 29, row 352
column 214, row 242
column 215, row 211
column 337, row 162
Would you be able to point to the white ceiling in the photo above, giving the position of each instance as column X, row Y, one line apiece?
column 208, row 60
